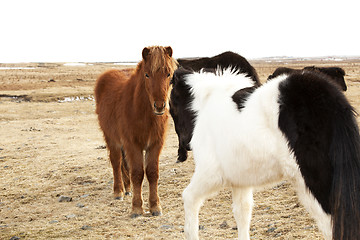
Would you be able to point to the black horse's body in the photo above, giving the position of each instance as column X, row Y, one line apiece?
column 335, row 74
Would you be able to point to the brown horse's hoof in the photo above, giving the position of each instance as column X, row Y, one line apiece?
column 157, row 213
column 155, row 210
column 127, row 193
column 136, row 212
column 118, row 195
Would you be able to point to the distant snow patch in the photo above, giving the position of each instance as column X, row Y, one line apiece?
column 77, row 98
column 126, row 63
column 75, row 64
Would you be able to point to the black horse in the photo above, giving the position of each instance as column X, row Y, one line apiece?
column 335, row 74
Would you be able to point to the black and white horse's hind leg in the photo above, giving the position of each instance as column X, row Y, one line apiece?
column 242, row 208
column 201, row 187
column 308, row 200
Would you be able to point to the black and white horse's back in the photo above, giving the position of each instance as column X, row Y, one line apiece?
column 298, row 127
column 224, row 60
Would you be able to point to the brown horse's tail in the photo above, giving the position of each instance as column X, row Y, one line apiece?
column 99, row 86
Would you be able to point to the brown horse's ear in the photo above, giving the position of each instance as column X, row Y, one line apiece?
column 169, row 51
column 145, row 53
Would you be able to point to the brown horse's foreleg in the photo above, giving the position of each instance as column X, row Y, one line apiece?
column 115, row 158
column 152, row 174
column 135, row 160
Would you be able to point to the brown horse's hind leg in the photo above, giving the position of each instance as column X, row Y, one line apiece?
column 152, row 174
column 115, row 159
column 125, row 174
column 135, row 160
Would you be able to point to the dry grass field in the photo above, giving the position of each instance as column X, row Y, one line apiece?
column 51, row 146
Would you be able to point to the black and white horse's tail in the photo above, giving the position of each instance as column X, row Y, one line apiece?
column 321, row 127
column 345, row 192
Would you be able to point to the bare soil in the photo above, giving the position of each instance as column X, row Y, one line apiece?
column 51, row 146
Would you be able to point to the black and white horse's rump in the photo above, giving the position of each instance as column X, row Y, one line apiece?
column 335, row 74
column 297, row 127
column 226, row 60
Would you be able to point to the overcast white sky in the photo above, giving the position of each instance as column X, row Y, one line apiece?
column 109, row 30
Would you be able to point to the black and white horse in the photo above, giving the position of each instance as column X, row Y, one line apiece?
column 297, row 127
column 335, row 74
column 222, row 61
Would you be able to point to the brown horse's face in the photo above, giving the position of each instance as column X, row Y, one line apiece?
column 158, row 87
column 157, row 83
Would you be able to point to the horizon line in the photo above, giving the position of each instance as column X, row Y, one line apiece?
column 327, row 57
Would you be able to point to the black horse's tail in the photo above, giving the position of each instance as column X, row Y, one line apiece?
column 345, row 192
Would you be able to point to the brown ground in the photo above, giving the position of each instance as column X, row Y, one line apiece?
column 50, row 148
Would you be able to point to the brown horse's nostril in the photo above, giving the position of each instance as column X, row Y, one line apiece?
column 162, row 107
column 159, row 110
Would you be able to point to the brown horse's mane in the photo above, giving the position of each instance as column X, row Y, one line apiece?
column 160, row 62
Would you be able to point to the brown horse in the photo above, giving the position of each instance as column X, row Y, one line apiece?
column 132, row 108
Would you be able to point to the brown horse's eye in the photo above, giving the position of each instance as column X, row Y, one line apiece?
column 168, row 75
column 146, row 75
